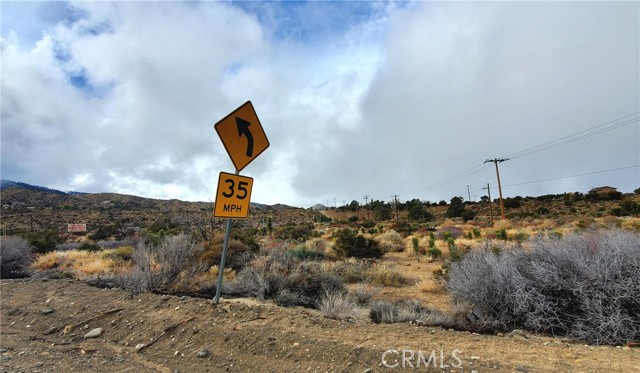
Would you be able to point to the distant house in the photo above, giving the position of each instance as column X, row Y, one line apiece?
column 603, row 190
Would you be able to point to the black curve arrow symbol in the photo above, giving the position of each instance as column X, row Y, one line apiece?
column 243, row 129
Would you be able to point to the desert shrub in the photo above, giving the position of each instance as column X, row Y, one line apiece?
column 285, row 278
column 303, row 252
column 502, row 234
column 468, row 215
column 543, row 211
column 476, row 233
column 124, row 253
column 350, row 271
column 361, row 294
column 456, row 208
column 584, row 286
column 104, row 232
column 158, row 266
column 416, row 246
column 15, row 257
column 89, row 246
column 419, row 212
column 351, row 244
column 300, row 232
column 238, row 254
column 434, row 252
column 381, row 274
column 511, row 203
column 336, row 305
column 43, row 241
column 555, row 235
column 391, row 241
column 521, row 237
column 451, row 243
column 626, row 208
column 450, row 231
column 247, row 236
column 410, row 311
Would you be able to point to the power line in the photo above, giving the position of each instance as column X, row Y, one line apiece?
column 576, row 175
column 596, row 130
column 608, row 126
column 472, row 171
column 564, row 177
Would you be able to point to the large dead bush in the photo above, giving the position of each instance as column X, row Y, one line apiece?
column 284, row 277
column 584, row 286
column 159, row 266
column 15, row 256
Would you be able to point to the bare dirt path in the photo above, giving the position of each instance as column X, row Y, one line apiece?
column 43, row 326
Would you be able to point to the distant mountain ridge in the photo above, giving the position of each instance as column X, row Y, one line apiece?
column 5, row 184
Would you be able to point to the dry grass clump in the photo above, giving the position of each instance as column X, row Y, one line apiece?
column 81, row 264
column 631, row 224
column 336, row 305
column 350, row 271
column 411, row 311
column 319, row 245
column 431, row 286
column 391, row 241
column 382, row 274
column 363, row 293
column 212, row 275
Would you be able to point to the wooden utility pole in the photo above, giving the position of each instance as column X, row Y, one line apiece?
column 366, row 202
column 495, row 161
column 395, row 198
column 490, row 205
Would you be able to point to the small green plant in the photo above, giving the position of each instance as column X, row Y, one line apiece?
column 416, row 246
column 457, row 253
column 476, row 233
column 521, row 237
column 270, row 225
column 502, row 234
column 451, row 242
column 555, row 235
column 434, row 252
column 305, row 253
column 432, row 243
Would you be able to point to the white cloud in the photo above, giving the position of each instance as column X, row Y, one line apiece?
column 356, row 98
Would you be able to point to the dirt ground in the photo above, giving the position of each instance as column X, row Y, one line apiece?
column 44, row 324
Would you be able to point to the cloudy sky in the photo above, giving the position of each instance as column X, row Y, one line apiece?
column 356, row 98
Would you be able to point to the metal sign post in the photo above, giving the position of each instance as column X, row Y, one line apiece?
column 225, row 247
